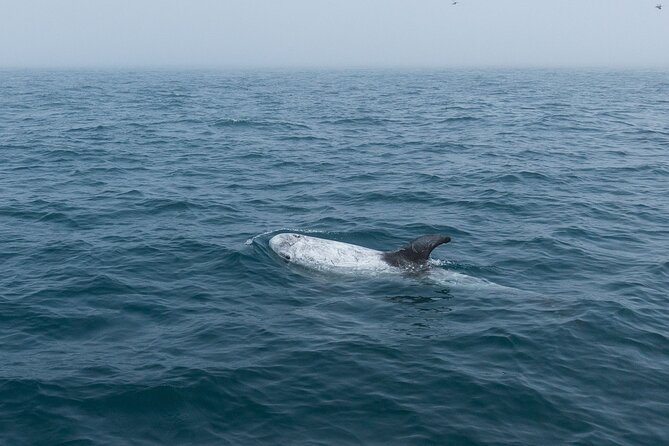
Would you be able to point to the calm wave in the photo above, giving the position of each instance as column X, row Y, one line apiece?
column 142, row 305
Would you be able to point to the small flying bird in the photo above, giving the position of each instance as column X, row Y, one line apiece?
column 659, row 6
column 455, row 3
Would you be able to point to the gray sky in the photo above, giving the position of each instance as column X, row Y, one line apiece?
column 341, row 33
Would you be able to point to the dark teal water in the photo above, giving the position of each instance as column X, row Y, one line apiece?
column 140, row 304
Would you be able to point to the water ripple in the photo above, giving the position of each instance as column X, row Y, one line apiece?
column 140, row 299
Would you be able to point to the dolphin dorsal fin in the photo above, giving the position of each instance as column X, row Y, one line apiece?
column 416, row 251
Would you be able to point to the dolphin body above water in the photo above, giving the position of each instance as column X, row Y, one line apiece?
column 332, row 256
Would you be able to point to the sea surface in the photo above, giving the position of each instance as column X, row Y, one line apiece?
column 140, row 303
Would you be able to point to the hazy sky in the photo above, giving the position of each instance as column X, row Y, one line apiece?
column 324, row 33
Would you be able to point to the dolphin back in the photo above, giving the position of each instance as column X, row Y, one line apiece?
column 416, row 252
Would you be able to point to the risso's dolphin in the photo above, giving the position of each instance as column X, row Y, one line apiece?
column 329, row 255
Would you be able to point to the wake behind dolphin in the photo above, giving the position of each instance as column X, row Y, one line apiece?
column 344, row 258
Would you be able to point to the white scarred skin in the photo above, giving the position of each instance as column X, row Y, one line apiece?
column 344, row 258
column 328, row 255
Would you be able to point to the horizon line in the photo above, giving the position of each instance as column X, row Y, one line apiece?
column 352, row 67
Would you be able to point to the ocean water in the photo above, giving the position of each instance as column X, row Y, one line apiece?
column 140, row 303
